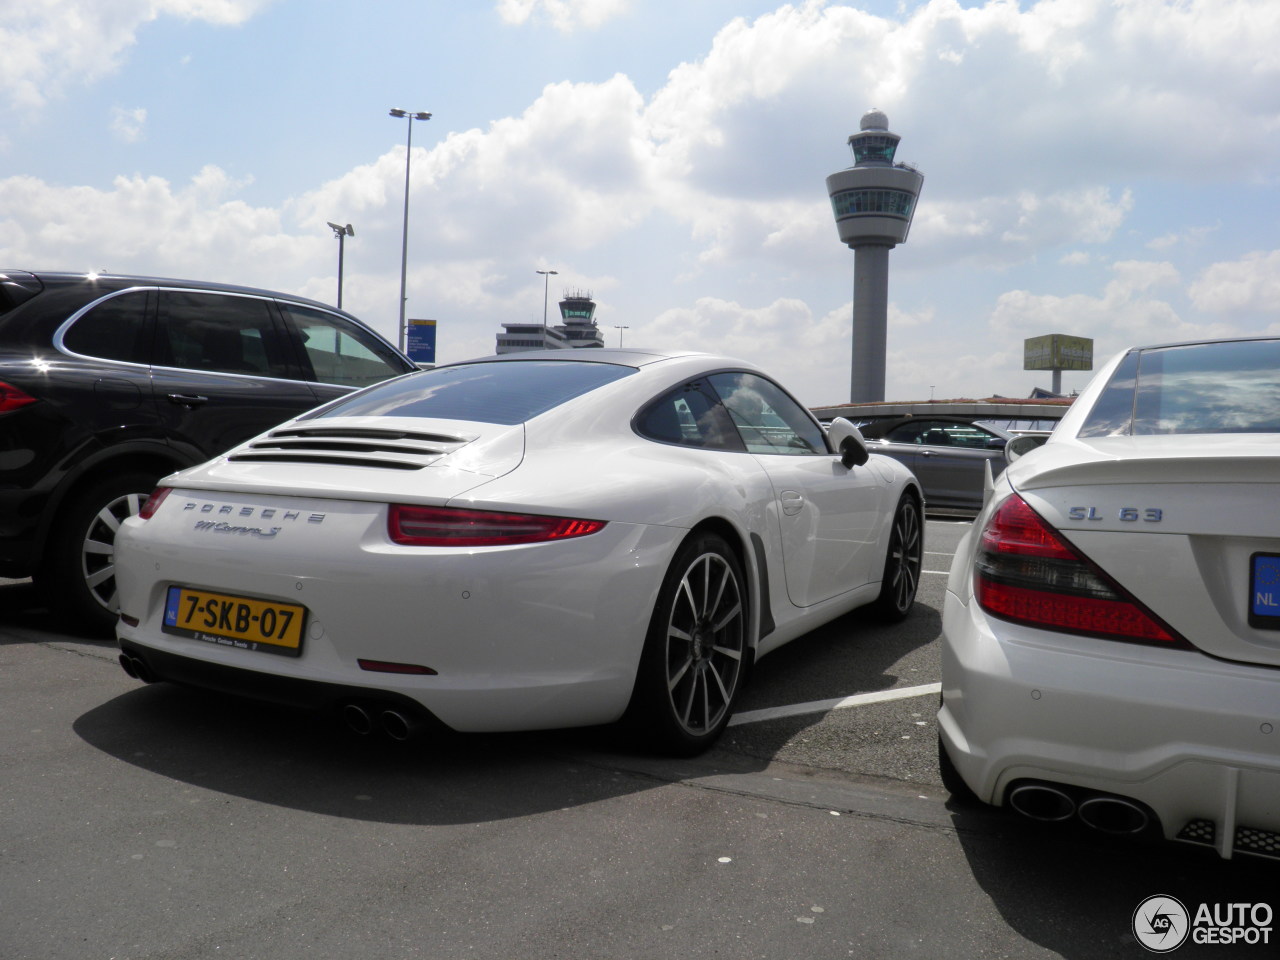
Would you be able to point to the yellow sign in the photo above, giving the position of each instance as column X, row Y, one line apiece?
column 1057, row 351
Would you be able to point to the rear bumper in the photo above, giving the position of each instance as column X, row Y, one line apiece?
column 1194, row 739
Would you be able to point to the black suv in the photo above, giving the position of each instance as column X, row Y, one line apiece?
column 108, row 383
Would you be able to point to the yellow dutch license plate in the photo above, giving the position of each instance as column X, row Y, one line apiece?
column 231, row 621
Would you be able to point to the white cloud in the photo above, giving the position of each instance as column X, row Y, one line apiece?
column 1128, row 310
column 50, row 45
column 127, row 125
column 564, row 15
column 1247, row 286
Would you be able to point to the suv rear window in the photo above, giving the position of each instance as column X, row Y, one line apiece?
column 1224, row 387
column 504, row 392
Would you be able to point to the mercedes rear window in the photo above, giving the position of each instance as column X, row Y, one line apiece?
column 504, row 392
column 1224, row 387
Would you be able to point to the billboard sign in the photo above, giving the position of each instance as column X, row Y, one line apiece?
column 1057, row 351
column 420, row 336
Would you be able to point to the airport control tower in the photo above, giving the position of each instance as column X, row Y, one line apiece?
column 873, row 202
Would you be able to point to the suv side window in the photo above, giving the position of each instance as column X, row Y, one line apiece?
column 340, row 352
column 219, row 333
column 768, row 419
column 114, row 329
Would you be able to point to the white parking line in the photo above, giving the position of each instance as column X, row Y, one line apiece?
column 822, row 706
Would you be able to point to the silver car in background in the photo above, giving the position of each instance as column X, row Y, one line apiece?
column 948, row 455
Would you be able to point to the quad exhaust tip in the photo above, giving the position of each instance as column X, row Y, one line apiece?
column 1102, row 812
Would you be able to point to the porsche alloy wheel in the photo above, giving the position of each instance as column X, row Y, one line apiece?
column 696, row 653
column 902, row 564
column 79, row 574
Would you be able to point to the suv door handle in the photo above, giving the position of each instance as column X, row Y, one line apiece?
column 187, row 399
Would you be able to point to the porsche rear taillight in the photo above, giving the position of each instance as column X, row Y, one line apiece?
column 11, row 398
column 453, row 527
column 153, row 502
column 1026, row 573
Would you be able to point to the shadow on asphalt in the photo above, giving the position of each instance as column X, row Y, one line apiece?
column 1031, row 871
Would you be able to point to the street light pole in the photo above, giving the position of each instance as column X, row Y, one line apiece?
column 341, row 233
column 620, row 327
column 404, row 242
column 546, row 282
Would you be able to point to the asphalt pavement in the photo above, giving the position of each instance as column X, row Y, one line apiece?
column 155, row 822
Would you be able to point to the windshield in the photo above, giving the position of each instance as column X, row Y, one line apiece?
column 506, row 392
column 1224, row 387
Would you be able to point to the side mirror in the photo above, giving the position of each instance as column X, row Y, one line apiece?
column 1021, row 446
column 846, row 440
column 996, row 443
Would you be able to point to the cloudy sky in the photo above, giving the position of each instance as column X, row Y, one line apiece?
column 1103, row 168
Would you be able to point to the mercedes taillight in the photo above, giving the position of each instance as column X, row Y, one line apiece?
column 1025, row 572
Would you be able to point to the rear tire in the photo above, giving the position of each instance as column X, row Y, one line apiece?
column 902, row 564
column 696, row 651
column 78, row 576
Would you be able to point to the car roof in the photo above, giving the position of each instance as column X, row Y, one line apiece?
column 120, row 281
column 617, row 355
column 877, row 428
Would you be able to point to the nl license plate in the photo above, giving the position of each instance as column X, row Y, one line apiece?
column 232, row 621
column 1264, row 591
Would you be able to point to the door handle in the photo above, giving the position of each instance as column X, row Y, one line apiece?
column 792, row 502
column 187, row 399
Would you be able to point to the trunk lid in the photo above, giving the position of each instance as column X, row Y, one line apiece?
column 1178, row 522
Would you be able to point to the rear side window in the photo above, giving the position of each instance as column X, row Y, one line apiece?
column 338, row 351
column 1228, row 387
column 942, row 433
column 505, row 392
column 115, row 329
column 692, row 416
column 219, row 333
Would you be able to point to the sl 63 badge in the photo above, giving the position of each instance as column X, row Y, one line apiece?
column 1126, row 514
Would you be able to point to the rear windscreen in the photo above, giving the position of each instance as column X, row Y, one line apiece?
column 505, row 392
column 1225, row 387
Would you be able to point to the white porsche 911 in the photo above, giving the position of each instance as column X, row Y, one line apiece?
column 527, row 541
column 1111, row 632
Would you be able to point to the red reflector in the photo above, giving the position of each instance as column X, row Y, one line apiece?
column 1056, row 611
column 153, row 502
column 452, row 527
column 386, row 666
column 1026, row 572
column 11, row 398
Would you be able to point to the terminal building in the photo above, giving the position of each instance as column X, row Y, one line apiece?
column 577, row 328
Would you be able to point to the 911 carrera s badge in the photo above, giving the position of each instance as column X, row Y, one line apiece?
column 221, row 526
column 1125, row 514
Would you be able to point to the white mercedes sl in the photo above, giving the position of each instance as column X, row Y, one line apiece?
column 1111, row 630
column 533, row 540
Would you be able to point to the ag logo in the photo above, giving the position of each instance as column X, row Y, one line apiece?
column 1161, row 924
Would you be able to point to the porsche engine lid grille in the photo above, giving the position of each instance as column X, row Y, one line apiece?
column 353, row 447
